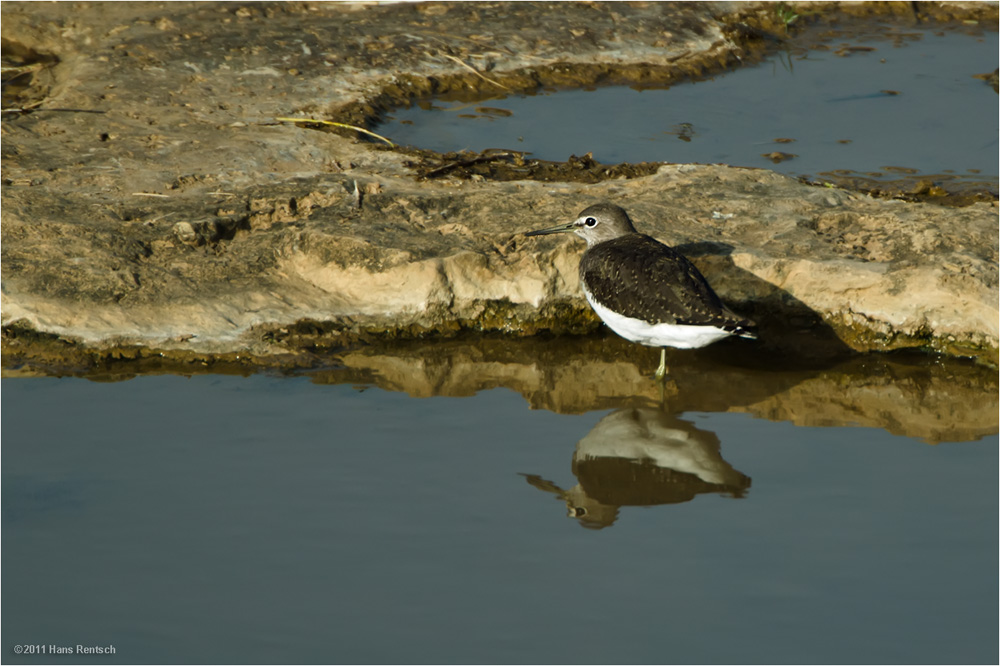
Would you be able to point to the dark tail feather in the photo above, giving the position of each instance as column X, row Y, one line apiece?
column 743, row 329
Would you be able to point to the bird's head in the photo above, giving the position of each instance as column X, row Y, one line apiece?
column 596, row 224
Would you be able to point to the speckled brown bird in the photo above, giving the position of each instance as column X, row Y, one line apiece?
column 646, row 291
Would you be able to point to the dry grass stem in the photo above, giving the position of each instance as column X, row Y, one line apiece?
column 334, row 124
column 475, row 71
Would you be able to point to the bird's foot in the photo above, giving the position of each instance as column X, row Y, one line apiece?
column 661, row 372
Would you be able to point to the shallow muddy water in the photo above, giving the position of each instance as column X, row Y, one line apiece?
column 222, row 519
column 881, row 102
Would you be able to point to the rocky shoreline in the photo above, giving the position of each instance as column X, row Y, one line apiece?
column 164, row 210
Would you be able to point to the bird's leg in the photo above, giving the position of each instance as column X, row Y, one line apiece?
column 661, row 372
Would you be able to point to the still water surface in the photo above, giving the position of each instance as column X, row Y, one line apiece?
column 218, row 519
column 877, row 100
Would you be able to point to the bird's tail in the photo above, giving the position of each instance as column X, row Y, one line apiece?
column 744, row 328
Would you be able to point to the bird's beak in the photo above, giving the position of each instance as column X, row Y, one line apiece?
column 562, row 228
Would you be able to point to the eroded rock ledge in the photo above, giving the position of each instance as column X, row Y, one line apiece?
column 182, row 218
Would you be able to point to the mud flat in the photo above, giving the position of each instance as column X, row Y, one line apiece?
column 154, row 205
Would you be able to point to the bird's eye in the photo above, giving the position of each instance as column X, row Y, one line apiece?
column 591, row 221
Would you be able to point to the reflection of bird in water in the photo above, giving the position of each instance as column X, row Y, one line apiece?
column 645, row 291
column 642, row 457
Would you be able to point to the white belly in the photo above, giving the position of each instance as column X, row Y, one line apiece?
column 680, row 336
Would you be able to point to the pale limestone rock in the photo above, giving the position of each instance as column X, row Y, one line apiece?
column 278, row 237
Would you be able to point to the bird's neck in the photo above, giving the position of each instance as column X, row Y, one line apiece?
column 593, row 242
